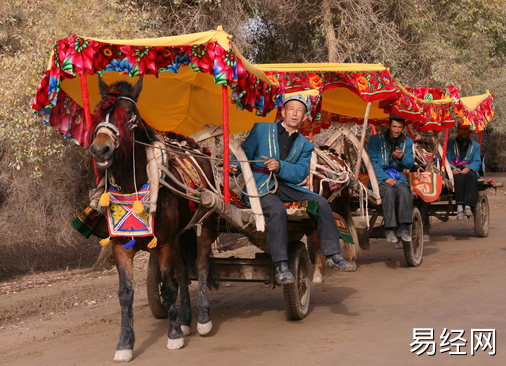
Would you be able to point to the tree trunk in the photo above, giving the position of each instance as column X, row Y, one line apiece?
column 329, row 31
column 105, row 260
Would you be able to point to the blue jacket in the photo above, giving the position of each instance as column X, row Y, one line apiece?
column 263, row 141
column 472, row 156
column 379, row 153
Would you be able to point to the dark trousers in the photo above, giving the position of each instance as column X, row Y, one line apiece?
column 389, row 194
column 466, row 188
column 277, row 224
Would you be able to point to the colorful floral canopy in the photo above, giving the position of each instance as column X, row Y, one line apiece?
column 343, row 89
column 184, row 78
column 432, row 109
column 182, row 88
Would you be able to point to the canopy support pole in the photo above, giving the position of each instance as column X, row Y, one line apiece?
column 226, row 159
column 481, row 139
column 445, row 145
column 86, row 102
column 362, row 140
column 410, row 133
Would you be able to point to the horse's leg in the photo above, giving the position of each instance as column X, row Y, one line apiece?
column 124, row 264
column 318, row 262
column 204, row 242
column 185, row 308
column 169, row 253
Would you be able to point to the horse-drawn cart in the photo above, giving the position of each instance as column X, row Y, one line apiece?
column 431, row 178
column 145, row 88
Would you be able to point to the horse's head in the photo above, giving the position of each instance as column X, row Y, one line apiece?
column 115, row 117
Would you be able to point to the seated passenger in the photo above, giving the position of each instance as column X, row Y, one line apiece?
column 463, row 154
column 391, row 152
column 287, row 154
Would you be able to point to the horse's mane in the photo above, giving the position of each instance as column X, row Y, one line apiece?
column 109, row 104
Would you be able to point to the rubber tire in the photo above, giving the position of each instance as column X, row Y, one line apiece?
column 297, row 294
column 481, row 215
column 413, row 250
column 153, row 284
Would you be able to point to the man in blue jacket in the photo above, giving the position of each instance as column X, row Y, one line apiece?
column 391, row 152
column 278, row 148
column 463, row 154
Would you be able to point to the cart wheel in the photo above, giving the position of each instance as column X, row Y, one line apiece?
column 413, row 250
column 297, row 294
column 153, row 287
column 481, row 215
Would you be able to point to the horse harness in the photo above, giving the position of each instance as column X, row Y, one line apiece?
column 160, row 154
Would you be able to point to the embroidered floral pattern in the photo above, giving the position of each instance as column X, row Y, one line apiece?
column 76, row 55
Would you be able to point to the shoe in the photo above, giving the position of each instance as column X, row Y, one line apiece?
column 337, row 261
column 390, row 235
column 468, row 212
column 282, row 273
column 403, row 233
column 460, row 215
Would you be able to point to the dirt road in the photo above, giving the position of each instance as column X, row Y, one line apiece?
column 361, row 318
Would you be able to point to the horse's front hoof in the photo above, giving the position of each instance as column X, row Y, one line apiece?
column 186, row 330
column 317, row 279
column 204, row 329
column 123, row 355
column 175, row 343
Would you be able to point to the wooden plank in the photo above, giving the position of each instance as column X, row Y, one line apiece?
column 250, row 184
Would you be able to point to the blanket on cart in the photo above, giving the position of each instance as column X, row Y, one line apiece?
column 90, row 222
column 427, row 185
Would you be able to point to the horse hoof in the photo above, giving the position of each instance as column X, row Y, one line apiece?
column 186, row 330
column 123, row 355
column 204, row 329
column 317, row 279
column 175, row 343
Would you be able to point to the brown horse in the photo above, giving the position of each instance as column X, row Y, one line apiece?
column 340, row 205
column 118, row 147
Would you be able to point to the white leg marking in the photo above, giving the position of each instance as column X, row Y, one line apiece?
column 317, row 279
column 175, row 343
column 204, row 329
column 123, row 355
column 186, row 330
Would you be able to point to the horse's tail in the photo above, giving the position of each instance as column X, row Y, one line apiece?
column 188, row 247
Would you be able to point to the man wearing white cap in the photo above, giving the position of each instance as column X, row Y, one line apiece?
column 288, row 156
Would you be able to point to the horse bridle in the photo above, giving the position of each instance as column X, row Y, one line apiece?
column 111, row 130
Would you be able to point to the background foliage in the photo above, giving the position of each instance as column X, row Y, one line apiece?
column 44, row 178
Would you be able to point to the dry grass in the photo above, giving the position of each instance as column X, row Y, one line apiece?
column 35, row 214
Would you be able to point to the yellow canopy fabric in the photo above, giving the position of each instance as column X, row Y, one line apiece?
column 182, row 102
column 471, row 103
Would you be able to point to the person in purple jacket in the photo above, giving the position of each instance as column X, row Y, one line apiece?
column 463, row 154
column 279, row 148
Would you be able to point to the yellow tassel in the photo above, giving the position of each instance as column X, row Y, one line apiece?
column 105, row 242
column 138, row 207
column 153, row 243
column 105, row 200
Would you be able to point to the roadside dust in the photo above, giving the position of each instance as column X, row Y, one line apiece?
column 366, row 317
